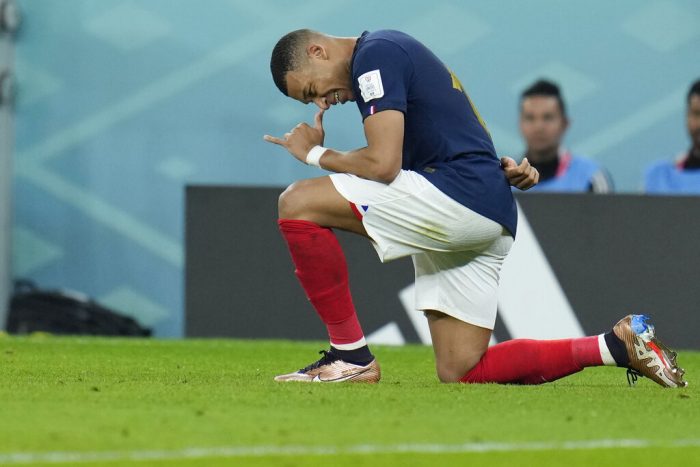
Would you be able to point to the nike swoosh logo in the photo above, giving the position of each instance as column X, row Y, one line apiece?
column 654, row 361
column 317, row 378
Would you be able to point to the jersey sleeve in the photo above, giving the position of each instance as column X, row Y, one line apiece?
column 382, row 72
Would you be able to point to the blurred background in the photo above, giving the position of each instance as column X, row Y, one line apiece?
column 121, row 103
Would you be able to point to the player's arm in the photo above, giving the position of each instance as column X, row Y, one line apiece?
column 380, row 160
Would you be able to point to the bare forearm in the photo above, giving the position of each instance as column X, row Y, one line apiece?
column 380, row 160
column 361, row 162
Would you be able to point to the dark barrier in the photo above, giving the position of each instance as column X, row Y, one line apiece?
column 580, row 263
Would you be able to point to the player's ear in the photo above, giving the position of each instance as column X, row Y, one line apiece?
column 316, row 51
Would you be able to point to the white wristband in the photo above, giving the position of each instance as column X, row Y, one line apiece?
column 314, row 155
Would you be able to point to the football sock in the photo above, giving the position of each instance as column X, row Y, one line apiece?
column 527, row 361
column 323, row 273
column 617, row 349
column 361, row 356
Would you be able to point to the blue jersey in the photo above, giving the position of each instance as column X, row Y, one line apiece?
column 445, row 139
column 576, row 174
column 666, row 177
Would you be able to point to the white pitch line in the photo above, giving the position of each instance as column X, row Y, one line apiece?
column 63, row 457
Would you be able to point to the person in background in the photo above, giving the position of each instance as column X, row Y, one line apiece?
column 681, row 176
column 543, row 123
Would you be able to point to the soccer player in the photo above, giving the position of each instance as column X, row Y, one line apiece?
column 543, row 123
column 683, row 175
column 428, row 184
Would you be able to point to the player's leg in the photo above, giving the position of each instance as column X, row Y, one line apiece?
column 458, row 346
column 465, row 288
column 631, row 344
column 317, row 200
column 462, row 354
column 458, row 292
column 307, row 211
column 397, row 220
column 528, row 361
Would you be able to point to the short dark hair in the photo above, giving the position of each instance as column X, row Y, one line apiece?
column 694, row 89
column 287, row 56
column 543, row 87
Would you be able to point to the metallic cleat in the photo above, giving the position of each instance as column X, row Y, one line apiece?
column 331, row 369
column 648, row 356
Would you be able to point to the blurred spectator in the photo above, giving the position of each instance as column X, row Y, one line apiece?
column 543, row 122
column 683, row 174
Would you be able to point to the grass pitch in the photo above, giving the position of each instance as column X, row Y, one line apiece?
column 94, row 401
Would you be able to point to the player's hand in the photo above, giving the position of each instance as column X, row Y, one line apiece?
column 301, row 138
column 523, row 176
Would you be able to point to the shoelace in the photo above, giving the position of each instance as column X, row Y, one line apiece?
column 325, row 360
column 632, row 376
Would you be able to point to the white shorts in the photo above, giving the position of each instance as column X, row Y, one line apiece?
column 457, row 253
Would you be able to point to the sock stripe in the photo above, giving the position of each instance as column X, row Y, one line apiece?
column 605, row 354
column 351, row 345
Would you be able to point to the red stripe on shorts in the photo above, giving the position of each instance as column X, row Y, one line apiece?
column 357, row 212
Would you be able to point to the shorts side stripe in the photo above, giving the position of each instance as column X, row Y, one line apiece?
column 356, row 211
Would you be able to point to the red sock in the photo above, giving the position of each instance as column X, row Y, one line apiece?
column 323, row 273
column 526, row 361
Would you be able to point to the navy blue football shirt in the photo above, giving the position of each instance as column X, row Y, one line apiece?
column 445, row 139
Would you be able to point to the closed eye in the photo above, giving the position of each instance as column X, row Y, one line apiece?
column 305, row 95
column 309, row 94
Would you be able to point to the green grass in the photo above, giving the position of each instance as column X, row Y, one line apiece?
column 120, row 395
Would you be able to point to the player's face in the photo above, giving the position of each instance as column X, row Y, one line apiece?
column 321, row 81
column 694, row 119
column 542, row 123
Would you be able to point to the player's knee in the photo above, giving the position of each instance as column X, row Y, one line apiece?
column 447, row 374
column 453, row 371
column 292, row 201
